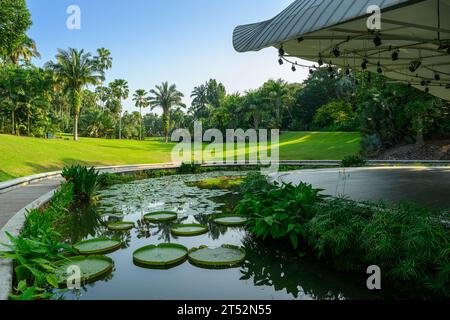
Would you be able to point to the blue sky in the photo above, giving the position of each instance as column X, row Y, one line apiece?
column 185, row 42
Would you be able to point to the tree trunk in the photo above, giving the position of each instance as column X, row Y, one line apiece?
column 120, row 125
column 75, row 127
column 29, row 125
column 140, row 128
column 166, row 121
column 13, row 123
column 420, row 139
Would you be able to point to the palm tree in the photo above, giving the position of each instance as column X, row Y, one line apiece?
column 119, row 90
column 141, row 101
column 278, row 92
column 26, row 50
column 199, row 100
column 103, row 60
column 76, row 69
column 166, row 97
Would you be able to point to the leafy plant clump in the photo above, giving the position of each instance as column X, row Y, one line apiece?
column 85, row 181
column 353, row 161
column 220, row 183
column 189, row 168
column 279, row 212
column 38, row 247
column 410, row 244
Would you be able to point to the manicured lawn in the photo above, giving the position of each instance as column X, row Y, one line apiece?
column 25, row 156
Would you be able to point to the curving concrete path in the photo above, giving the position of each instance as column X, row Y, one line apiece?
column 427, row 186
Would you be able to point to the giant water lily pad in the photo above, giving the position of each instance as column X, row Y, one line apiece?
column 95, row 246
column 121, row 226
column 231, row 220
column 161, row 216
column 188, row 230
column 224, row 256
column 162, row 255
column 91, row 267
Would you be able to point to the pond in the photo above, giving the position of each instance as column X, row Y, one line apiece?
column 268, row 272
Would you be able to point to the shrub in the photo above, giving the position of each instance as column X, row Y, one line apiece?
column 371, row 145
column 409, row 243
column 85, row 181
column 337, row 114
column 279, row 212
column 189, row 168
column 353, row 161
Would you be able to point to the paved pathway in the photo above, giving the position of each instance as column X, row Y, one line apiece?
column 426, row 186
column 13, row 201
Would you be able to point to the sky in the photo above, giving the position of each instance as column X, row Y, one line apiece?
column 185, row 42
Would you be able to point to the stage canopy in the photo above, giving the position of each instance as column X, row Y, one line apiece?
column 412, row 45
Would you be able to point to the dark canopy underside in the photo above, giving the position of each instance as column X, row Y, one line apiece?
column 418, row 29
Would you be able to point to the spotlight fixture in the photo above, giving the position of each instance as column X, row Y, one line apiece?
column 311, row 71
column 414, row 65
column 364, row 64
column 379, row 69
column 427, row 89
column 336, row 52
column 395, row 55
column 369, row 77
column 281, row 51
column 320, row 60
column 300, row 39
column 377, row 40
column 293, row 68
column 347, row 71
column 280, row 61
column 437, row 76
column 409, row 85
column 330, row 68
column 423, row 83
column 447, row 86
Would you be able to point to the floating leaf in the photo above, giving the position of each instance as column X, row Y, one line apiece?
column 224, row 256
column 161, row 216
column 230, row 220
column 92, row 268
column 95, row 246
column 187, row 230
column 162, row 255
column 121, row 226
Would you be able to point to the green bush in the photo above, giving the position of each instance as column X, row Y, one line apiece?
column 278, row 212
column 371, row 145
column 189, row 168
column 408, row 243
column 85, row 181
column 353, row 161
column 337, row 115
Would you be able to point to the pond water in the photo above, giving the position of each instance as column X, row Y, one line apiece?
column 268, row 272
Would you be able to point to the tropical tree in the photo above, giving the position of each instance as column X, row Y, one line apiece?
column 277, row 92
column 103, row 60
column 141, row 101
column 15, row 19
column 120, row 91
column 25, row 50
column 199, row 103
column 76, row 69
column 166, row 97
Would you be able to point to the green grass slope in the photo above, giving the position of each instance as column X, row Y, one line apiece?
column 21, row 156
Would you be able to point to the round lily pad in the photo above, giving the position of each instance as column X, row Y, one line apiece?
column 188, row 230
column 95, row 246
column 121, row 226
column 91, row 267
column 231, row 220
column 161, row 255
column 161, row 216
column 222, row 257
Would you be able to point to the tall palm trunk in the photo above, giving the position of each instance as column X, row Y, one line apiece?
column 75, row 127
column 120, row 125
column 140, row 127
column 166, row 120
column 13, row 123
column 76, row 111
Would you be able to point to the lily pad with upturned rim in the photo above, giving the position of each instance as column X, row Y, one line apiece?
column 161, row 216
column 96, row 246
column 121, row 226
column 189, row 230
column 230, row 220
column 161, row 255
column 92, row 268
column 226, row 256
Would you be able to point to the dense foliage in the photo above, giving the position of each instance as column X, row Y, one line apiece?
column 85, row 182
column 410, row 244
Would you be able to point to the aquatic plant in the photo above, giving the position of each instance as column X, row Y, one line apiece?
column 85, row 181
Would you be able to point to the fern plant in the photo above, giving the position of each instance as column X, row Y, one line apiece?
column 85, row 181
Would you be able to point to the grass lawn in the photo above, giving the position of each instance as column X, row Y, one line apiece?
column 21, row 156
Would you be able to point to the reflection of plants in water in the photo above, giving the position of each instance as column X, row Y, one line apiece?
column 164, row 230
column 215, row 230
column 83, row 222
column 280, row 269
column 143, row 229
column 342, row 178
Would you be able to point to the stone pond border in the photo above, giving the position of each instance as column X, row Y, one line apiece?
column 16, row 223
